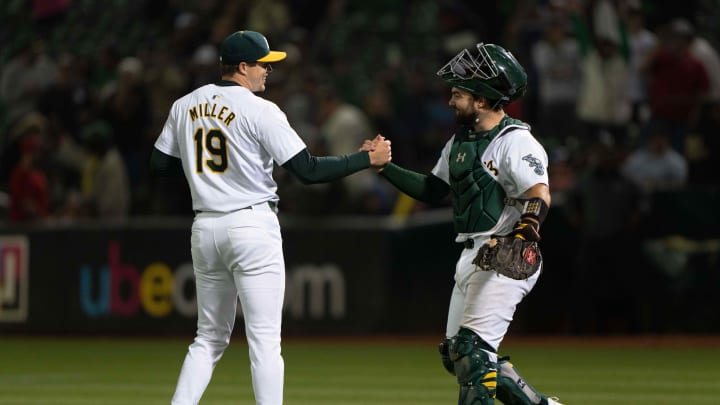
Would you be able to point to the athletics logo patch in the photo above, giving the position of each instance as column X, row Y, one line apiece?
column 534, row 162
column 14, row 279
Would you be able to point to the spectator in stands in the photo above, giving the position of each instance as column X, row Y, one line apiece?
column 128, row 110
column 678, row 83
column 704, row 51
column 556, row 59
column 169, row 79
column 67, row 101
column 641, row 41
column 203, row 66
column 104, row 67
column 186, row 35
column 604, row 104
column 656, row 165
column 104, row 186
column 28, row 186
column 343, row 126
column 24, row 77
column 48, row 15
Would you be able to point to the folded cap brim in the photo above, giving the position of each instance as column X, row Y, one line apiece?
column 273, row 56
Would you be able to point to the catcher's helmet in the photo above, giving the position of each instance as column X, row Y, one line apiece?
column 493, row 73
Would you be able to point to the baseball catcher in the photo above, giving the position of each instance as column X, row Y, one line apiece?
column 494, row 171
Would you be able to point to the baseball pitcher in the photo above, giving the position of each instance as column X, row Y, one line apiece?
column 225, row 140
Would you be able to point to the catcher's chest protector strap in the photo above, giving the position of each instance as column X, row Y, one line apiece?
column 476, row 373
column 478, row 200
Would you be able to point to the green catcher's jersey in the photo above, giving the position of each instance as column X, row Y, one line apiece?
column 485, row 168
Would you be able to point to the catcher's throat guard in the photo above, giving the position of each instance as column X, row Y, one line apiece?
column 510, row 256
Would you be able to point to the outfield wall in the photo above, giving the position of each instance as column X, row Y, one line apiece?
column 137, row 276
column 350, row 276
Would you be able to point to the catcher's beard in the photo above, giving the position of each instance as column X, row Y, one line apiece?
column 465, row 117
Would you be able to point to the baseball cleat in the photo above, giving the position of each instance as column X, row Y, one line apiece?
column 553, row 401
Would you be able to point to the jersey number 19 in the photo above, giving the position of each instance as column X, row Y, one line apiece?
column 215, row 143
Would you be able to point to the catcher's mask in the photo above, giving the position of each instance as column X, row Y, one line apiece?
column 493, row 73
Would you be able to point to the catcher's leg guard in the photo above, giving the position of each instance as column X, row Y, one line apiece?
column 512, row 389
column 476, row 373
column 443, row 348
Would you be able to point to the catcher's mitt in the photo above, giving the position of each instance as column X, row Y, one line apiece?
column 510, row 256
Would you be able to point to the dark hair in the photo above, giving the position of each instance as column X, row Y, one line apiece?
column 227, row 70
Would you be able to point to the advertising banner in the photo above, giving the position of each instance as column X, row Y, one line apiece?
column 140, row 279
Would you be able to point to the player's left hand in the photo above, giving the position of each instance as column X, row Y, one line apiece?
column 510, row 256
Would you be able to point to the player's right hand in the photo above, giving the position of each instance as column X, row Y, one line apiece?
column 381, row 153
column 369, row 145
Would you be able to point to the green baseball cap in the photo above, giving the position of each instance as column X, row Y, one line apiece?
column 247, row 46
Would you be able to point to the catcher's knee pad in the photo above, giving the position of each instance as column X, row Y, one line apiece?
column 443, row 348
column 512, row 389
column 476, row 373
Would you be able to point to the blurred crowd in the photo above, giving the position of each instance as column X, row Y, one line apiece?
column 624, row 95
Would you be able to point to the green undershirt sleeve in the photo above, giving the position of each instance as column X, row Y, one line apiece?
column 165, row 165
column 427, row 188
column 312, row 169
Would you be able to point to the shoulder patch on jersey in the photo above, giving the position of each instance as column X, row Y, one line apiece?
column 534, row 162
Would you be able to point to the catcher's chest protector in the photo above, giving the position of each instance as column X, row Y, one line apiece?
column 477, row 199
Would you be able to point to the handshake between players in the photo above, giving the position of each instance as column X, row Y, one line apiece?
column 379, row 150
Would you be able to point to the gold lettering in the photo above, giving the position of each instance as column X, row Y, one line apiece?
column 229, row 119
column 204, row 110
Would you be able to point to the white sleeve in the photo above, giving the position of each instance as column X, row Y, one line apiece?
column 524, row 164
column 442, row 167
column 167, row 141
column 276, row 135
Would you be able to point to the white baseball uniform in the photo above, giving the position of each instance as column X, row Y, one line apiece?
column 484, row 301
column 228, row 139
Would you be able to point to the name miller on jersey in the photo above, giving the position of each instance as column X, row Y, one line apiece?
column 206, row 110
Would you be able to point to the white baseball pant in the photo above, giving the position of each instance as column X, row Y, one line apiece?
column 236, row 255
column 484, row 301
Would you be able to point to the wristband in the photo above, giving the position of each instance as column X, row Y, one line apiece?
column 532, row 216
column 535, row 209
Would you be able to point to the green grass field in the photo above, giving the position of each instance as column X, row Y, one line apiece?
column 99, row 371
